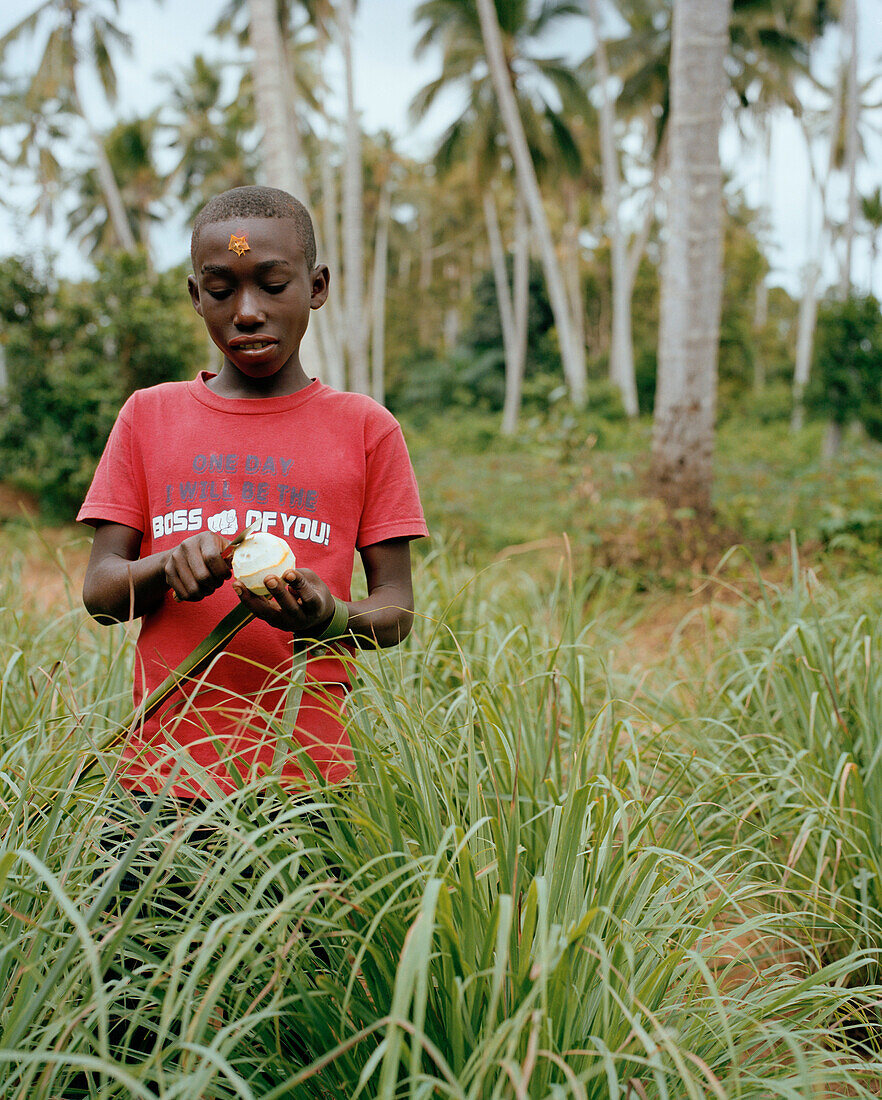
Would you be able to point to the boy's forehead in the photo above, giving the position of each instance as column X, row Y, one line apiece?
column 239, row 240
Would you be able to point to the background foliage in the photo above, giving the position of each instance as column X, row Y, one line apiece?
column 847, row 380
column 73, row 355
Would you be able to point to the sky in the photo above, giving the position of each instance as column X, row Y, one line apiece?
column 167, row 33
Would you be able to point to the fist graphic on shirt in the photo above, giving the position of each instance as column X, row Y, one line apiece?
column 225, row 523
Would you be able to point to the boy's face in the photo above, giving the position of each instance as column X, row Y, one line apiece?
column 255, row 300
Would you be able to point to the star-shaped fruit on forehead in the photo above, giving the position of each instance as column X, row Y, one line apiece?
column 239, row 245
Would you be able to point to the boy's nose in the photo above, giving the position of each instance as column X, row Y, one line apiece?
column 248, row 311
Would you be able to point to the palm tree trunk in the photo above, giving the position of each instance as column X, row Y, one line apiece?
column 805, row 340
column 500, row 274
column 570, row 258
column 572, row 352
column 353, row 224
column 637, row 247
column 808, row 305
column 509, row 323
column 269, row 73
column 521, row 308
column 425, row 277
column 378, row 327
column 335, row 358
column 334, row 355
column 761, row 301
column 330, row 208
column 850, row 43
column 831, row 444
column 692, row 276
column 144, row 235
column 621, row 358
column 116, row 210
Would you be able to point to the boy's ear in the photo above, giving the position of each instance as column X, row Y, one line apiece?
column 193, row 287
column 321, row 284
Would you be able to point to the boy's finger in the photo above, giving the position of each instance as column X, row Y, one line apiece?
column 180, row 580
column 312, row 599
column 206, row 559
column 287, row 598
column 255, row 603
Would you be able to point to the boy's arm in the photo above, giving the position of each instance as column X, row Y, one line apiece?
column 386, row 616
column 120, row 586
column 304, row 605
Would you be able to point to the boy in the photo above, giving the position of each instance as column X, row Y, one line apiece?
column 189, row 463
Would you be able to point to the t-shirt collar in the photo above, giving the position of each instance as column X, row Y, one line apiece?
column 250, row 405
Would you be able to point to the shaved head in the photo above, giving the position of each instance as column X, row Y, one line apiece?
column 256, row 202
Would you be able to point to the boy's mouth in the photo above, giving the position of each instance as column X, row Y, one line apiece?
column 252, row 343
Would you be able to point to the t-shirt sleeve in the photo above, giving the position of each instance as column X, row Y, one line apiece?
column 392, row 508
column 116, row 493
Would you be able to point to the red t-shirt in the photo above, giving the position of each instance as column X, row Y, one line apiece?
column 328, row 472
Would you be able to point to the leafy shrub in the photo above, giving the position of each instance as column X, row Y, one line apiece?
column 770, row 405
column 485, row 329
column 425, row 387
column 847, row 370
column 74, row 353
column 645, row 373
column 480, row 378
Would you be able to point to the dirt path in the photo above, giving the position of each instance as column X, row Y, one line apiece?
column 50, row 562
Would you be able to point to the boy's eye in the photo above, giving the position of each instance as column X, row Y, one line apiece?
column 220, row 294
column 275, row 288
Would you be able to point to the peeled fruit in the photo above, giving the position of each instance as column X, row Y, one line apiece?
column 259, row 556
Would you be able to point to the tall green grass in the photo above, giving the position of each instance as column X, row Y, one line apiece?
column 542, row 882
column 797, row 705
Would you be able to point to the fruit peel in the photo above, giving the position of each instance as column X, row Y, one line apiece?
column 259, row 556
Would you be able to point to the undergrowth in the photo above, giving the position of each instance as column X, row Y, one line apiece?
column 550, row 877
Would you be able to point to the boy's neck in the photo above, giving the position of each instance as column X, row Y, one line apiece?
column 232, row 383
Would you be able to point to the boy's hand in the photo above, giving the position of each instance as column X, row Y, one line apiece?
column 195, row 568
column 299, row 602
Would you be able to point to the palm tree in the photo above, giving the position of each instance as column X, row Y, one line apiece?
column 850, row 118
column 384, row 171
column 513, row 305
column 691, row 291
column 321, row 14
column 472, row 139
column 622, row 347
column 271, row 80
column 129, row 149
column 768, row 56
column 768, row 51
column 78, row 31
column 283, row 46
column 323, row 149
column 469, row 145
column 353, row 223
column 208, row 135
column 847, row 100
column 501, row 73
column 283, row 82
column 42, row 130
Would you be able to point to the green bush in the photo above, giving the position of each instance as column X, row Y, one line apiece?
column 485, row 329
column 74, row 353
column 846, row 381
column 770, row 405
